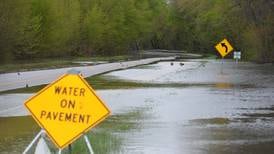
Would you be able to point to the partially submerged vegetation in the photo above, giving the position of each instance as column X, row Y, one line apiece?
column 99, row 82
column 46, row 63
column 105, row 138
column 211, row 121
column 32, row 89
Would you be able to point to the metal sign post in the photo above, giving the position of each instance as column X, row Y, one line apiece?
column 72, row 101
column 69, row 99
column 237, row 56
column 222, row 63
column 33, row 141
column 88, row 145
column 41, row 134
column 224, row 48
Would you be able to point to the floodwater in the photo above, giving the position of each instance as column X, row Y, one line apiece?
column 202, row 72
column 219, row 107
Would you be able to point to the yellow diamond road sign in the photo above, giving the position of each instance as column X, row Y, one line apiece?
column 224, row 48
column 67, row 108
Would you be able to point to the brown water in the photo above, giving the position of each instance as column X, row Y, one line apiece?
column 218, row 109
column 16, row 133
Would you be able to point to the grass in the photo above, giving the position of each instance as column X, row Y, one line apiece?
column 32, row 89
column 38, row 64
column 97, row 82
column 108, row 136
column 104, row 138
column 212, row 121
column 100, row 82
column 210, row 56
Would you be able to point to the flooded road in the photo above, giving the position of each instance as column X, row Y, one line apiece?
column 214, row 108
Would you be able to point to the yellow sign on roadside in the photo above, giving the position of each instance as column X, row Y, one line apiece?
column 67, row 108
column 224, row 48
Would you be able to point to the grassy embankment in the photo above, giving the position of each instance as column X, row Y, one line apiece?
column 97, row 82
column 100, row 82
column 38, row 64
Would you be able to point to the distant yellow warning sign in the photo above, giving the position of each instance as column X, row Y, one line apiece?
column 67, row 108
column 224, row 48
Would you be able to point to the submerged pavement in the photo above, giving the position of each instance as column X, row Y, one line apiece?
column 10, row 81
column 214, row 107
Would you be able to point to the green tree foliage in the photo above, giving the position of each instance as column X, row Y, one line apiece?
column 248, row 24
column 11, row 18
column 258, row 34
column 42, row 28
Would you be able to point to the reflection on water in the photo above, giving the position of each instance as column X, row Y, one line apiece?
column 204, row 119
column 231, row 113
column 12, row 105
column 202, row 72
column 223, row 85
column 198, row 119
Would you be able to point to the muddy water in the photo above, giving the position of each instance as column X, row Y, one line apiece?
column 202, row 72
column 16, row 133
column 223, row 109
column 199, row 119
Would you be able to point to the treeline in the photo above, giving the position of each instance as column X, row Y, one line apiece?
column 41, row 28
column 247, row 24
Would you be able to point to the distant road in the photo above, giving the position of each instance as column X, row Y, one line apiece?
column 11, row 81
column 169, row 53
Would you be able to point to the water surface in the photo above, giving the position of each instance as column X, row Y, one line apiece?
column 226, row 108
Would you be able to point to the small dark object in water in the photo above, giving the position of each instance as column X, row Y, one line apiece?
column 18, row 73
column 171, row 63
column 182, row 64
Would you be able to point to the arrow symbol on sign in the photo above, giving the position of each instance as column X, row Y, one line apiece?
column 223, row 45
